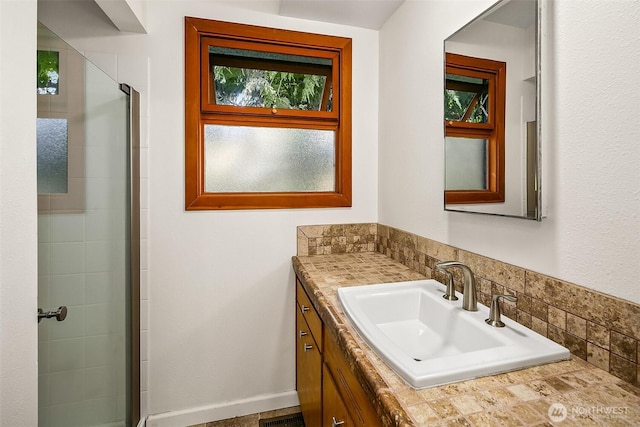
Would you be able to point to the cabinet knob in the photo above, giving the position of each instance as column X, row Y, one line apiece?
column 336, row 423
column 303, row 334
column 307, row 347
column 304, row 308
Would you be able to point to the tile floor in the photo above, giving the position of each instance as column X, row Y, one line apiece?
column 252, row 420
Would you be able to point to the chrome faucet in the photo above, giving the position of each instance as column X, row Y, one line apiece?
column 495, row 312
column 469, row 298
column 450, row 293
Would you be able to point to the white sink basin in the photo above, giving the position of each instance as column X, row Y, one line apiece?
column 430, row 341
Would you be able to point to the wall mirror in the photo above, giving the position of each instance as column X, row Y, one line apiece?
column 492, row 113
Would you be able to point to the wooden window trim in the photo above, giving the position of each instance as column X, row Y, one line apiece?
column 493, row 130
column 197, row 113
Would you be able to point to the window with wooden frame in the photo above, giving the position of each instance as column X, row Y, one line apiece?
column 267, row 117
column 474, row 129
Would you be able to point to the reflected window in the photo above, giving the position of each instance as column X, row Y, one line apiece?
column 53, row 153
column 466, row 99
column 60, row 133
column 474, row 99
column 471, row 152
column 48, row 62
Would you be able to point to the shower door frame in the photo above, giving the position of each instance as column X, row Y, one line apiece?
column 134, row 248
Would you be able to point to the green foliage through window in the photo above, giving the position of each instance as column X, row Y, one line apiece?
column 466, row 99
column 247, row 87
column 47, row 72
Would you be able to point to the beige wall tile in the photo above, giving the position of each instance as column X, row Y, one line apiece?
column 598, row 335
column 557, row 317
column 567, row 313
column 624, row 346
column 524, row 302
column 403, row 238
column 540, row 326
column 524, row 319
column 436, row 250
column 496, row 271
column 623, row 368
column 577, row 326
column 539, row 309
column 598, row 356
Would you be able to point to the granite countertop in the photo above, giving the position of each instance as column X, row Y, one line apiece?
column 574, row 392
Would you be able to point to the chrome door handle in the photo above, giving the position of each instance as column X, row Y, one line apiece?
column 60, row 314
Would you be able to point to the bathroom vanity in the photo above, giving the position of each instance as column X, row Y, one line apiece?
column 324, row 376
column 342, row 382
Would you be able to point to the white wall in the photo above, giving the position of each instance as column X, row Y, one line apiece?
column 221, row 291
column 592, row 179
column 18, row 220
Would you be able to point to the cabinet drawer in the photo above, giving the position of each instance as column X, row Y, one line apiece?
column 361, row 409
column 308, row 373
column 334, row 411
column 310, row 314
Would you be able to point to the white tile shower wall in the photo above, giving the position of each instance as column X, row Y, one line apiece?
column 133, row 70
column 80, row 381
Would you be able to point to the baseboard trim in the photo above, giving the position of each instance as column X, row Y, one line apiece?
column 222, row 411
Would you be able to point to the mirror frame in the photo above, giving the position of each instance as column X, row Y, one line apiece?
column 534, row 168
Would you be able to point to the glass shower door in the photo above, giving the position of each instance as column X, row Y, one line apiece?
column 83, row 233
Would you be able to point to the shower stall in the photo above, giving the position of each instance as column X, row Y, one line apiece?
column 88, row 242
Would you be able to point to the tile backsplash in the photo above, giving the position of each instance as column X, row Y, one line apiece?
column 599, row 328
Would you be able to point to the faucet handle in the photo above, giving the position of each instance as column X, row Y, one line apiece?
column 450, row 293
column 494, row 313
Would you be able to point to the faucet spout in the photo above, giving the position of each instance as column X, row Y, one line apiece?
column 469, row 297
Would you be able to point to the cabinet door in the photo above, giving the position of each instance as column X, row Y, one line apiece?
column 360, row 405
column 334, row 411
column 308, row 373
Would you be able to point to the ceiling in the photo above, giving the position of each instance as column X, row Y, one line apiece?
column 358, row 13
column 370, row 14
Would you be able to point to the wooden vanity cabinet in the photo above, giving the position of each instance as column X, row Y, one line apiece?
column 334, row 410
column 357, row 402
column 308, row 359
column 329, row 392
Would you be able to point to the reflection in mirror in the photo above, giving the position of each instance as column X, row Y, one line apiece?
column 491, row 113
column 60, row 125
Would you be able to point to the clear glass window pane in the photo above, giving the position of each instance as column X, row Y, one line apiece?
column 247, row 78
column 466, row 99
column 466, row 163
column 48, row 69
column 265, row 159
column 52, row 155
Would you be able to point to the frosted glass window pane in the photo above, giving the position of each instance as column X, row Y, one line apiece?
column 466, row 163
column 52, row 147
column 264, row 159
